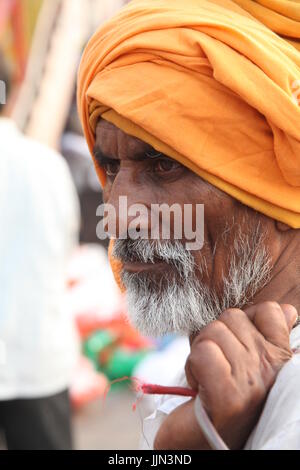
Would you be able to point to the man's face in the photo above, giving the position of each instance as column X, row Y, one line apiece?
column 170, row 288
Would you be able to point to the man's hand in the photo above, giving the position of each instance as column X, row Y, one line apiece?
column 233, row 364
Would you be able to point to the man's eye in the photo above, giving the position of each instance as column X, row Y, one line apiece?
column 164, row 165
column 111, row 168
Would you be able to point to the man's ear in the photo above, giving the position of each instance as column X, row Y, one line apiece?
column 282, row 227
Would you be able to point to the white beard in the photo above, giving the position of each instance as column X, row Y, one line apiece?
column 181, row 303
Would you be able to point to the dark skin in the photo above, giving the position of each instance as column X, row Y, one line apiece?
column 244, row 349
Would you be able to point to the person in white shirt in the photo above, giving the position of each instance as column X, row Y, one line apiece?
column 39, row 215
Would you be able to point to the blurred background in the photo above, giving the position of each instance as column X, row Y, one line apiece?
column 63, row 324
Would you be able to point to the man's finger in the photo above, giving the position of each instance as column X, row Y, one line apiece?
column 291, row 315
column 243, row 328
column 208, row 368
column 272, row 322
column 289, row 311
column 219, row 333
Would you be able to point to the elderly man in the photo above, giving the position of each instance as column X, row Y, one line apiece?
column 196, row 101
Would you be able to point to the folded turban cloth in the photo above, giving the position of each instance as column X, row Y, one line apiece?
column 214, row 84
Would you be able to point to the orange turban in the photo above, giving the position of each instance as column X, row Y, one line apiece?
column 207, row 83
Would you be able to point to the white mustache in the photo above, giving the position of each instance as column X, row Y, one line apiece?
column 171, row 252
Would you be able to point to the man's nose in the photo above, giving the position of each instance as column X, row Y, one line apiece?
column 131, row 210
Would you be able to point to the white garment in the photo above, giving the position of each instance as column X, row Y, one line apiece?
column 39, row 216
column 279, row 425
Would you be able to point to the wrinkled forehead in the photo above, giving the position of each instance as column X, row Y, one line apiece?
column 114, row 142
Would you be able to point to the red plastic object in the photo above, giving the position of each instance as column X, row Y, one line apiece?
column 87, row 384
column 119, row 326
